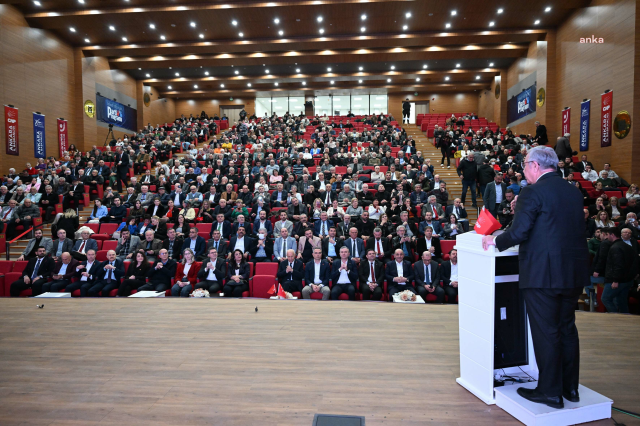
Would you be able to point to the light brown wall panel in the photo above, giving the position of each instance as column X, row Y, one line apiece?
column 211, row 106
column 438, row 102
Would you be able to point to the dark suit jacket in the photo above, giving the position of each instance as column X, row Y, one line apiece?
column 364, row 270
column 435, row 242
column 248, row 243
column 247, row 227
column 93, row 271
column 220, row 270
column 342, row 230
column 71, row 269
column 445, row 272
column 384, row 242
column 267, row 225
column 553, row 251
column 351, row 267
column 310, row 272
column 392, row 272
column 118, row 273
column 46, row 267
column 418, row 274
column 318, row 226
column 226, row 229
column 67, row 245
column 348, row 243
column 296, row 275
column 462, row 212
column 325, row 247
column 177, row 247
column 223, row 247
column 201, row 245
column 163, row 275
column 268, row 248
column 489, row 197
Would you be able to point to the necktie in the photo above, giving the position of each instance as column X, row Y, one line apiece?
column 291, row 266
column 7, row 213
column 35, row 269
column 355, row 248
column 82, row 247
column 378, row 245
column 426, row 275
column 373, row 275
column 220, row 227
column 284, row 247
column 323, row 228
column 170, row 251
column 109, row 273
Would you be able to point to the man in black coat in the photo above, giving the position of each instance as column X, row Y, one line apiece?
column 381, row 245
column 291, row 273
column 161, row 273
column 87, row 273
column 468, row 172
column 122, row 167
column 36, row 273
column 371, row 275
column 541, row 134
column 110, row 273
column 399, row 274
column 622, row 268
column 426, row 273
column 550, row 283
column 344, row 274
column 212, row 272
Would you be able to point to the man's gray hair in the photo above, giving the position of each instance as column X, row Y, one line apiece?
column 545, row 156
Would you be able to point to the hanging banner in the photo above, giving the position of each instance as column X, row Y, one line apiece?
column 39, row 136
column 566, row 121
column 606, row 119
column 585, row 111
column 63, row 136
column 11, row 129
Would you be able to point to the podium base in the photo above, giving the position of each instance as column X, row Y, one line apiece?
column 592, row 406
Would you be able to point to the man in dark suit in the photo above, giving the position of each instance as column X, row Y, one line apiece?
column 457, row 209
column 550, row 284
column 224, row 226
column 212, row 272
column 403, row 242
column 399, row 274
column 321, row 227
column 316, row 275
column 219, row 244
column 494, row 194
column 63, row 271
column 381, row 245
column 426, row 273
column 173, row 244
column 241, row 242
column 73, row 197
column 355, row 245
column 122, row 167
column 86, row 273
column 110, row 273
column 541, row 134
column 371, row 274
column 581, row 165
column 344, row 273
column 430, row 243
column 290, row 273
column 196, row 243
column 449, row 276
column 242, row 223
column 34, row 275
column 161, row 273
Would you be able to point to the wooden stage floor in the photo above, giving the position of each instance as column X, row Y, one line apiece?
column 179, row 362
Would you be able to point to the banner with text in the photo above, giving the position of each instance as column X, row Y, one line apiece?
column 566, row 121
column 11, row 129
column 606, row 118
column 112, row 112
column 585, row 111
column 522, row 104
column 39, row 136
column 63, row 136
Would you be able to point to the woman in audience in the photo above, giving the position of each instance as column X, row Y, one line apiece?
column 205, row 215
column 186, row 274
column 335, row 212
column 172, row 212
column 616, row 212
column 407, row 207
column 385, row 225
column 603, row 221
column 293, row 193
column 137, row 212
column 238, row 210
column 394, row 209
column 181, row 226
column 187, row 212
column 274, row 179
column 68, row 221
column 633, row 192
column 452, row 228
column 98, row 211
column 136, row 274
column 598, row 190
column 598, row 207
column 354, row 210
column 375, row 210
column 316, row 208
column 237, row 276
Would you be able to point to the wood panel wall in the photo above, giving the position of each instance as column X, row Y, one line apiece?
column 487, row 102
column 212, row 106
column 159, row 111
column 36, row 74
column 535, row 61
column 439, row 103
column 587, row 70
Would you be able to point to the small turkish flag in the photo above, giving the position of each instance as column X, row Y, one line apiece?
column 281, row 292
column 272, row 290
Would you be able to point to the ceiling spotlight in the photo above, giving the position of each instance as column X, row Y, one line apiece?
column 388, row 80
column 408, row 14
column 201, row 36
column 112, row 28
column 73, row 30
column 500, row 11
column 276, row 21
column 237, row 72
column 393, row 67
column 86, row 40
column 148, row 75
column 477, row 77
column 548, row 9
column 454, row 13
column 331, row 82
column 537, row 22
column 298, row 70
column 162, row 37
column 362, row 29
column 240, row 34
column 281, row 32
column 267, row 71
column 206, row 73
column 139, row 69
column 275, row 84
column 169, row 87
column 234, row 23
column 193, row 24
column 418, row 79
column 195, row 86
column 405, row 27
column 321, row 30
column 222, row 85
column 448, row 25
column 359, row 81
column 457, row 65
column 248, row 84
column 81, row 1
column 37, row 3
column 446, row 78
column 152, row 26
column 328, row 69
column 424, row 67
column 491, row 24
column 319, row 19
column 304, row 83
column 124, row 39
column 491, row 64
column 363, row 17
column 177, row 74
column 360, row 68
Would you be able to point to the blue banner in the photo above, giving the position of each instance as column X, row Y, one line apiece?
column 585, row 111
column 522, row 104
column 112, row 112
column 39, row 136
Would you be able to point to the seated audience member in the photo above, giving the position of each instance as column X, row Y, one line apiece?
column 136, row 274
column 428, row 222
column 212, row 272
column 109, row 275
column 371, row 274
column 632, row 224
column 222, row 225
column 331, row 246
column 63, row 271
column 217, row 242
column 284, row 222
column 282, row 244
column 186, row 274
column 344, row 274
column 263, row 222
column 61, row 245
column 127, row 245
column 241, row 223
column 242, row 243
column 31, row 250
column 380, row 245
column 263, row 249
column 116, row 213
column 426, row 273
column 449, row 275
column 35, row 274
column 237, row 275
column 161, row 273
column 399, row 274
column 87, row 274
column 322, row 225
column 457, row 209
column 290, row 273
column 150, row 245
column 22, row 215
column 306, row 244
column 82, row 245
column 355, row 245
column 430, row 243
column 589, row 174
column 195, row 242
column 452, row 228
column 316, row 275
column 403, row 242
column 603, row 221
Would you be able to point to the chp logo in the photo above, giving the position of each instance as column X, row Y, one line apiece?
column 523, row 105
column 114, row 114
column 12, row 116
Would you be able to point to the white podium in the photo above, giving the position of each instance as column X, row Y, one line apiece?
column 479, row 273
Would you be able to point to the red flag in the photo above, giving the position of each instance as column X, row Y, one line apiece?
column 281, row 292
column 272, row 290
column 486, row 223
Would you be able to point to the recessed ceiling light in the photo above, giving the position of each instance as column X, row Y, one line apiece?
column 363, row 17
column 405, row 27
column 124, row 39
column 446, row 78
column 112, row 28
column 319, row 19
column 201, row 36
column 73, row 30
column 424, row 67
column 169, row 87
column 248, row 84
column 37, row 3
column 139, row 69
column 537, row 22
column 86, row 40
column 362, row 29
column 276, row 83
column 195, row 86
column 237, row 72
column 359, row 81
column 548, row 9
column 500, row 10
column 321, row 30
column 332, row 82
column 222, row 85
column 162, row 37
column 393, row 67
column 457, row 65
column 304, row 83
column 234, row 23
column 477, row 77
column 360, row 68
column 388, row 80
column 281, row 32
column 329, row 69
column 240, row 34
column 148, row 75
column 448, row 25
column 177, row 74
column 408, row 14
column 206, row 73
column 81, row 1
column 277, row 21
column 491, row 24
column 418, row 79
column 267, row 71
column 454, row 13
column 152, row 26
column 491, row 64
column 298, row 70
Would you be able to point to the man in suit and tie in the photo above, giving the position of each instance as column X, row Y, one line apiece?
column 177, row 196
column 355, row 245
column 284, row 222
column 212, row 272
column 457, row 209
column 73, row 197
column 109, row 274
column 290, row 273
column 403, row 242
column 129, row 199
column 449, row 276
column 380, row 245
column 316, row 275
column 82, row 245
column 122, row 167
column 161, row 273
column 219, row 243
column 196, row 243
column 221, row 225
column 428, row 222
column 550, row 284
column 282, row 244
column 60, row 245
column 63, row 271
column 399, row 274
column 371, row 275
column 581, row 166
column 241, row 223
column 279, row 196
column 494, row 194
column 213, row 196
column 331, row 245
column 344, row 273
column 427, row 277
column 86, row 273
column 172, row 244
column 321, row 227
column 34, row 275
column 263, row 222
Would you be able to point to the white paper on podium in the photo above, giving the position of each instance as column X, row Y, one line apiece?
column 54, row 295
column 149, row 294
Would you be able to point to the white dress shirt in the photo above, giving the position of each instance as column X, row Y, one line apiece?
column 239, row 244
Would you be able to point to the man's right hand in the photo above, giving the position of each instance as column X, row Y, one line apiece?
column 27, row 280
column 20, row 258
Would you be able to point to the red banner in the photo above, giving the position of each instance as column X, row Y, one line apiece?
column 566, row 121
column 63, row 136
column 606, row 119
column 11, row 129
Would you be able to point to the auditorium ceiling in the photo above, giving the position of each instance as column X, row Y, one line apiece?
column 210, row 48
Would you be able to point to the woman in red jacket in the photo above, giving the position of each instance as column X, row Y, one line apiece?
column 186, row 274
